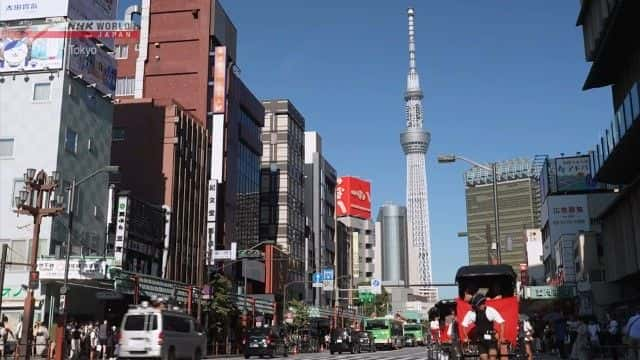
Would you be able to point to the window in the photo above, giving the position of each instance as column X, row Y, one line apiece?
column 134, row 322
column 117, row 134
column 175, row 323
column 125, row 86
column 122, row 51
column 42, row 92
column 90, row 145
column 71, row 141
column 6, row 148
column 635, row 102
column 17, row 253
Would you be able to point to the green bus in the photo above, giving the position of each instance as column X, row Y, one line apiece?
column 417, row 330
column 387, row 332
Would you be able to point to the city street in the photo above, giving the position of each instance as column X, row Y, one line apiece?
column 403, row 354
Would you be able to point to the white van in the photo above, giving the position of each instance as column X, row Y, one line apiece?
column 148, row 332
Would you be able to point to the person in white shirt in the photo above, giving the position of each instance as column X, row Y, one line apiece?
column 483, row 317
column 528, row 338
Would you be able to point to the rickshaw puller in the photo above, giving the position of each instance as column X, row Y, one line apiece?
column 483, row 317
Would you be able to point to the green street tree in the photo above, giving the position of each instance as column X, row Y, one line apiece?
column 300, row 314
column 223, row 312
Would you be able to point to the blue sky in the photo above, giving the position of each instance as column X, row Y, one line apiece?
column 500, row 79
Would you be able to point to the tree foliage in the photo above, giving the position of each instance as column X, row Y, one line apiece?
column 223, row 313
column 300, row 314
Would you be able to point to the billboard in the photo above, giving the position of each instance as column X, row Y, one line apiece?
column 353, row 197
column 26, row 49
column 73, row 9
column 94, row 64
column 566, row 174
column 33, row 9
column 573, row 174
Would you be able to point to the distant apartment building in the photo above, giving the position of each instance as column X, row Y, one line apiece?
column 282, row 214
column 519, row 209
column 319, row 204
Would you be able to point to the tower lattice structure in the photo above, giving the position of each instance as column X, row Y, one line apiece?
column 415, row 142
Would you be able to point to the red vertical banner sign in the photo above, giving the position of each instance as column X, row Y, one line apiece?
column 220, row 80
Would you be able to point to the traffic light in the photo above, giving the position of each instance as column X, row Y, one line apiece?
column 34, row 280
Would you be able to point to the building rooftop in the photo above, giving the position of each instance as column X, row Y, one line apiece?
column 508, row 170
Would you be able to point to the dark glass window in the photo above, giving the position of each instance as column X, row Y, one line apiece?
column 134, row 322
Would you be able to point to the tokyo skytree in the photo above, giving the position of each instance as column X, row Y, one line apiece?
column 415, row 141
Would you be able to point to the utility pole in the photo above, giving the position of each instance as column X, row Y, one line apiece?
column 3, row 264
column 38, row 201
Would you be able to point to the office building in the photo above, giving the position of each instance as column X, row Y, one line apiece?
column 55, row 115
column 319, row 204
column 391, row 245
column 609, row 29
column 282, row 216
column 206, row 144
column 353, row 196
column 518, row 204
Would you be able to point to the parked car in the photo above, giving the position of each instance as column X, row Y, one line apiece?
column 342, row 340
column 155, row 331
column 269, row 341
column 365, row 341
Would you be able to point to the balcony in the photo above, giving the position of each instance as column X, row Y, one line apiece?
column 615, row 159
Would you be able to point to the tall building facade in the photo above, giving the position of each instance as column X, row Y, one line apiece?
column 519, row 209
column 415, row 142
column 55, row 115
column 221, row 206
column 282, row 216
column 319, row 204
column 609, row 29
column 391, row 248
column 353, row 210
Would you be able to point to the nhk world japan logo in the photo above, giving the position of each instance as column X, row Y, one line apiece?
column 98, row 29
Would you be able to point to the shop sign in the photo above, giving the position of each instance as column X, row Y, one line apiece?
column 14, row 293
column 549, row 292
column 32, row 9
column 327, row 279
column 79, row 269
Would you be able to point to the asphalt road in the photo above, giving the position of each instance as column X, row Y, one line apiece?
column 417, row 353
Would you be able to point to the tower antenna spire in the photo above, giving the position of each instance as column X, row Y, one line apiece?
column 412, row 40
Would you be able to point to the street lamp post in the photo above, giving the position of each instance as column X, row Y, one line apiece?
column 443, row 159
column 65, row 287
column 39, row 201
